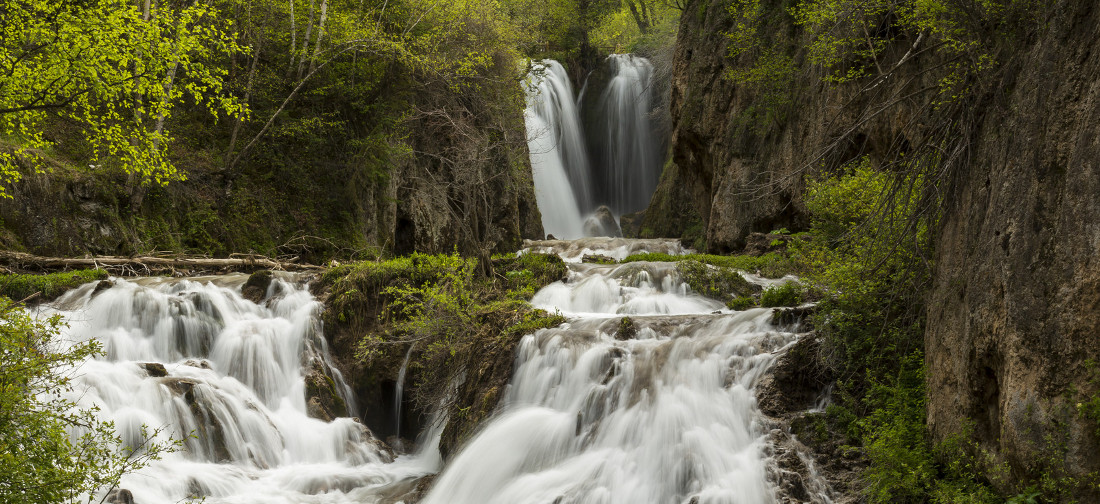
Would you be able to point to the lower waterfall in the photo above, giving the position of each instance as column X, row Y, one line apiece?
column 655, row 408
column 645, row 395
column 227, row 376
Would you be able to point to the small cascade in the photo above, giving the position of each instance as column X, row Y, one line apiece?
column 399, row 396
column 655, row 407
column 229, row 377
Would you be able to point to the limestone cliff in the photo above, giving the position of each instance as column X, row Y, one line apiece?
column 1013, row 324
column 1014, row 318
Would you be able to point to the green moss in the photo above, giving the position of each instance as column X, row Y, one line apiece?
column 627, row 329
column 717, row 282
column 48, row 287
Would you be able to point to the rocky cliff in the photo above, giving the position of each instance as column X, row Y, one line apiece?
column 1014, row 319
column 1012, row 325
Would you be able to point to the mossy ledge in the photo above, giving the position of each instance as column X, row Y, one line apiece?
column 456, row 320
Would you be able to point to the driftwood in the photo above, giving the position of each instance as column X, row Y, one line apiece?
column 151, row 265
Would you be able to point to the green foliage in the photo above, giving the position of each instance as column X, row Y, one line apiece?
column 784, row 294
column 868, row 255
column 47, row 287
column 762, row 63
column 51, row 449
column 741, row 303
column 440, row 304
column 116, row 71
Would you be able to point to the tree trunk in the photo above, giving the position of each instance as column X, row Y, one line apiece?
column 320, row 33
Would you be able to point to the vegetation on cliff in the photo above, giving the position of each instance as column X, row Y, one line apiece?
column 459, row 319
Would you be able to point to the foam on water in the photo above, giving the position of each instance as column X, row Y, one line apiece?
column 234, row 392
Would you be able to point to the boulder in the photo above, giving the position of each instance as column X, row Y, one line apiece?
column 602, row 223
column 255, row 288
column 154, row 369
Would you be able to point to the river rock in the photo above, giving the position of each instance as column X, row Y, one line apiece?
column 120, row 496
column 255, row 288
column 322, row 400
column 102, row 286
column 154, row 369
column 602, row 223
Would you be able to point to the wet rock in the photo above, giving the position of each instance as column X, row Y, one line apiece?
column 120, row 496
column 255, row 288
column 602, row 224
column 322, row 401
column 796, row 380
column 550, row 237
column 154, row 369
column 102, row 286
column 597, row 259
column 631, row 224
column 201, row 363
column 789, row 317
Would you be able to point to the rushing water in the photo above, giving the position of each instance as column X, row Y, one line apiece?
column 664, row 414
column 234, row 376
column 615, row 160
column 559, row 162
column 667, row 415
column 626, row 154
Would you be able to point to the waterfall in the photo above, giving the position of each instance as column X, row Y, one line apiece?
column 666, row 414
column 610, row 158
column 228, row 377
column 558, row 160
column 625, row 151
column 399, row 389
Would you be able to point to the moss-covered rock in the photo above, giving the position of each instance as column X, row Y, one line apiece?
column 716, row 282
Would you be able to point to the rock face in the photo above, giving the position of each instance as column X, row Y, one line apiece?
column 1013, row 322
column 1015, row 313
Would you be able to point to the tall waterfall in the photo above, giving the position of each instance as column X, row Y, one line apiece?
column 559, row 162
column 625, row 152
column 194, row 357
column 603, row 154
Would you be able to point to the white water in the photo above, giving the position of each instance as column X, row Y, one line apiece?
column 629, row 164
column 236, row 379
column 667, row 417
column 623, row 168
column 559, row 162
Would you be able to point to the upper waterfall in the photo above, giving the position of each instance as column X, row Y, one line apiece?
column 595, row 149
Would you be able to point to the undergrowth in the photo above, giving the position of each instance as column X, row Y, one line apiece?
column 48, row 286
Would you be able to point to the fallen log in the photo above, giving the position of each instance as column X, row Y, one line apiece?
column 150, row 265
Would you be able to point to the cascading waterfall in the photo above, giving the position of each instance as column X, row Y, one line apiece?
column 665, row 416
column 626, row 153
column 194, row 357
column 616, row 161
column 559, row 163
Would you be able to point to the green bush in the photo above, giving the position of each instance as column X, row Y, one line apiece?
column 785, row 294
column 41, row 461
column 741, row 303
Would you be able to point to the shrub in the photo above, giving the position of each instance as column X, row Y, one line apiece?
column 785, row 294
